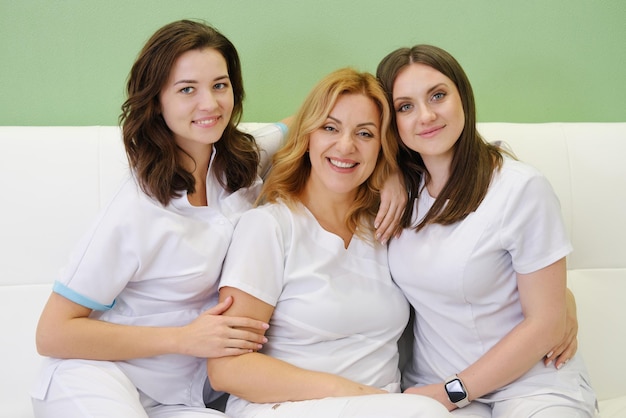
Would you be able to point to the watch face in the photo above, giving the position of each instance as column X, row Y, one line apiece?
column 455, row 391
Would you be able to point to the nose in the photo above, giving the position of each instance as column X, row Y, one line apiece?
column 207, row 101
column 426, row 113
column 345, row 143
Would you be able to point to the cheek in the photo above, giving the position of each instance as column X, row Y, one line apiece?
column 404, row 128
column 373, row 153
column 228, row 102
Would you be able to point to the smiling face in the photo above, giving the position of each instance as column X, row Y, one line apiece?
column 197, row 99
column 344, row 150
column 429, row 112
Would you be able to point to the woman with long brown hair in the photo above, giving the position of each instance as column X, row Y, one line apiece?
column 482, row 258
column 134, row 315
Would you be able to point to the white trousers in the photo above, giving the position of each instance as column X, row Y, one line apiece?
column 85, row 389
column 536, row 406
column 388, row 405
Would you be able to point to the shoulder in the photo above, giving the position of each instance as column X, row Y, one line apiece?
column 270, row 216
column 516, row 169
column 515, row 175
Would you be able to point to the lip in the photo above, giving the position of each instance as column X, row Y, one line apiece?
column 431, row 132
column 206, row 122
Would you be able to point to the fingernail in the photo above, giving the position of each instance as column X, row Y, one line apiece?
column 549, row 354
column 549, row 363
column 376, row 225
column 377, row 237
column 264, row 340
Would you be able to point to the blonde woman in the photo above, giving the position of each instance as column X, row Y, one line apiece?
column 308, row 263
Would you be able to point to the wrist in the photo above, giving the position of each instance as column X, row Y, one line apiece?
column 456, row 391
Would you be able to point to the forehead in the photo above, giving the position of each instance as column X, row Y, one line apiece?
column 355, row 104
column 198, row 62
column 418, row 76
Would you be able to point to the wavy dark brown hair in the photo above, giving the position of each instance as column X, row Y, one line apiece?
column 152, row 152
column 474, row 160
column 292, row 166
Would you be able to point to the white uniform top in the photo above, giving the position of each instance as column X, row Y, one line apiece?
column 461, row 279
column 145, row 264
column 336, row 309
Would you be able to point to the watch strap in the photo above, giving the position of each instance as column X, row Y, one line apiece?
column 456, row 391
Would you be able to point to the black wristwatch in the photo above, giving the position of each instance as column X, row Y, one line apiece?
column 456, row 391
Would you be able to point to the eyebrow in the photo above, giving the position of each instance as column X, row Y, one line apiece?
column 360, row 125
column 223, row 77
column 430, row 90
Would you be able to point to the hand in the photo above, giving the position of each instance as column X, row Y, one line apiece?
column 568, row 346
column 213, row 335
column 393, row 199
column 435, row 391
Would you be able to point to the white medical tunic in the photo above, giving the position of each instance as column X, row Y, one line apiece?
column 461, row 280
column 336, row 309
column 145, row 264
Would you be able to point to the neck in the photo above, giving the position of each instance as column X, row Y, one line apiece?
column 329, row 210
column 198, row 165
column 439, row 172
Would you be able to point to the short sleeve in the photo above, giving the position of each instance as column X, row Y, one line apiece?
column 105, row 259
column 269, row 138
column 532, row 225
column 255, row 261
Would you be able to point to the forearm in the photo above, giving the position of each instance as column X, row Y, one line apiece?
column 513, row 356
column 87, row 338
column 259, row 378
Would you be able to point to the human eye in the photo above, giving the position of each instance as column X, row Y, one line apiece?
column 187, row 90
column 365, row 134
column 440, row 95
column 328, row 128
column 404, row 108
column 220, row 86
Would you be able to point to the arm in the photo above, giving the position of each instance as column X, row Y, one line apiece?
column 542, row 295
column 259, row 378
column 566, row 349
column 66, row 331
column 393, row 199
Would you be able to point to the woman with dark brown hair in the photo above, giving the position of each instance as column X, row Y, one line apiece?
column 482, row 258
column 135, row 314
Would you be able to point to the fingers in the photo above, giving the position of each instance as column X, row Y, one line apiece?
column 388, row 223
column 382, row 213
column 221, row 307
column 561, row 354
column 243, row 322
column 251, row 337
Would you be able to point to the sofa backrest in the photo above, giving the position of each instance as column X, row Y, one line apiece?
column 55, row 179
column 584, row 163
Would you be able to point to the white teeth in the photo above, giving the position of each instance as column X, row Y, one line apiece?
column 205, row 122
column 341, row 164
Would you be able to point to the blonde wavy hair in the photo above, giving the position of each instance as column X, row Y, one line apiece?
column 291, row 165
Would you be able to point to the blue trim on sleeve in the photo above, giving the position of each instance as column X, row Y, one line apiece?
column 70, row 294
column 283, row 128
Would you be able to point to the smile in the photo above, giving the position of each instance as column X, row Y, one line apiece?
column 432, row 131
column 206, row 122
column 342, row 164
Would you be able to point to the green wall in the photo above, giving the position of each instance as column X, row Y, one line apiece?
column 65, row 62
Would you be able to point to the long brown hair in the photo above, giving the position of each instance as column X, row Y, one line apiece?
column 150, row 147
column 292, row 167
column 474, row 160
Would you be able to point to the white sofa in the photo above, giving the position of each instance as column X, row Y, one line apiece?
column 55, row 179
